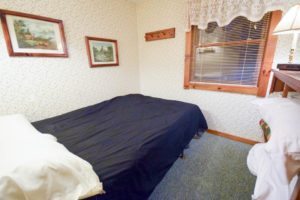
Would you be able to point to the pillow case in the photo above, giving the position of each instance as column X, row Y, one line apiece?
column 283, row 117
column 35, row 166
column 15, row 124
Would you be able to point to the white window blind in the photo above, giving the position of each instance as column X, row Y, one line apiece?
column 231, row 54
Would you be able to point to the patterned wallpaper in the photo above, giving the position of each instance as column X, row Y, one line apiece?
column 44, row 87
column 162, row 65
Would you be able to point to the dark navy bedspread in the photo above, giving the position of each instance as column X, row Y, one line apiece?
column 131, row 140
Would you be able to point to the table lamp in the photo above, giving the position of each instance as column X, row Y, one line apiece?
column 290, row 24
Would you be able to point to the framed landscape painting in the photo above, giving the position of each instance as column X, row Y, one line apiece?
column 32, row 35
column 102, row 52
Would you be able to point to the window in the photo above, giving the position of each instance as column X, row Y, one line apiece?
column 234, row 58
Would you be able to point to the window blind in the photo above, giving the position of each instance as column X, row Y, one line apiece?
column 231, row 54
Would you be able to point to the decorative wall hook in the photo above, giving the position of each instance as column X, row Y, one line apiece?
column 161, row 34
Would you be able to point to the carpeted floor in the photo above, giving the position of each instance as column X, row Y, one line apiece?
column 215, row 168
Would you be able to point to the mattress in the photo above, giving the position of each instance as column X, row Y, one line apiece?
column 131, row 141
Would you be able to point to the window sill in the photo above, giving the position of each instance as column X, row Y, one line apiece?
column 223, row 88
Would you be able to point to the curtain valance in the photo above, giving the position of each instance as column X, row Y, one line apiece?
column 202, row 12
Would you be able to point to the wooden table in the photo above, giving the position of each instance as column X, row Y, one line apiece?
column 286, row 81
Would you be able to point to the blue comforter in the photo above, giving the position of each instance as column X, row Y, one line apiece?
column 131, row 141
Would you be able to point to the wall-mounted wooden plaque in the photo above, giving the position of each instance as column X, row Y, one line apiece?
column 160, row 35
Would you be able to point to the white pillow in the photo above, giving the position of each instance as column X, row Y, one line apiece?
column 34, row 166
column 283, row 117
column 16, row 124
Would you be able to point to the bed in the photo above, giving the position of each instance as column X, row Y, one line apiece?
column 131, row 140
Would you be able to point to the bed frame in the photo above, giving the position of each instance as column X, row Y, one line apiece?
column 287, row 81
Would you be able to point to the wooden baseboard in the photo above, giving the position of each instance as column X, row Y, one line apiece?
column 232, row 137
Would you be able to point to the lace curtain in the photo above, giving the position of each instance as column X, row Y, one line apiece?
column 201, row 12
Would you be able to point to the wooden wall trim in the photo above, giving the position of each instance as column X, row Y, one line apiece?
column 188, row 58
column 232, row 137
column 224, row 88
column 267, row 62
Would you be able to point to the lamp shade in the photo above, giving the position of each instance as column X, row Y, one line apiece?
column 290, row 23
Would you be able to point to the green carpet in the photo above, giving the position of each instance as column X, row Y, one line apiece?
column 215, row 168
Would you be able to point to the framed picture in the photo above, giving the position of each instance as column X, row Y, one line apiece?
column 102, row 52
column 32, row 35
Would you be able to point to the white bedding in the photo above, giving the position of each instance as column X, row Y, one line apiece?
column 272, row 182
column 277, row 162
column 35, row 166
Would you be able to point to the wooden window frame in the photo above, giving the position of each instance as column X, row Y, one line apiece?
column 265, row 69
